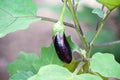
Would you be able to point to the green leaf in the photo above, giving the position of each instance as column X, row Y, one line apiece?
column 21, row 75
column 73, row 45
column 71, row 67
column 55, row 72
column 48, row 56
column 105, row 65
column 98, row 12
column 23, row 63
column 87, row 77
column 16, row 15
column 110, row 4
column 52, row 72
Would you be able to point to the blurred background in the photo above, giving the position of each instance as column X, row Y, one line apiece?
column 39, row 33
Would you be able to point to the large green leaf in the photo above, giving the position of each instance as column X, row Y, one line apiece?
column 55, row 72
column 110, row 4
column 23, row 63
column 48, row 56
column 87, row 77
column 21, row 75
column 105, row 65
column 52, row 72
column 16, row 15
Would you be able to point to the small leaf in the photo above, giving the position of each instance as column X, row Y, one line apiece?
column 110, row 4
column 105, row 65
column 16, row 15
column 86, row 16
column 48, row 56
column 73, row 45
column 21, row 75
column 55, row 72
column 98, row 12
column 23, row 63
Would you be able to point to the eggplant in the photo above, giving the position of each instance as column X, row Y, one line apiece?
column 62, row 47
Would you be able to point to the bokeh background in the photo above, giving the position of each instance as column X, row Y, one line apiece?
column 39, row 33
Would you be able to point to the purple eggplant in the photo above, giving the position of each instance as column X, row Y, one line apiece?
column 62, row 47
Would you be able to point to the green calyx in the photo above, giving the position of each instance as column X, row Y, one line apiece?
column 58, row 27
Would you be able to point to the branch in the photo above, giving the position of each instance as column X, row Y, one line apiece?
column 78, row 68
column 75, row 19
column 67, row 4
column 55, row 20
column 107, row 44
column 47, row 19
column 42, row 18
column 98, row 21
column 99, row 28
column 77, row 26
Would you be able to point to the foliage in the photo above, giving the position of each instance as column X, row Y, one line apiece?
column 48, row 66
column 99, row 12
column 24, row 62
column 108, row 66
column 13, row 13
column 112, row 4
column 47, row 58
column 45, row 74
column 21, row 75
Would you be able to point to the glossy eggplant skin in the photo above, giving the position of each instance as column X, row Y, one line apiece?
column 62, row 48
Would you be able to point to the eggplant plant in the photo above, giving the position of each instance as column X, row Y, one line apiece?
column 57, row 62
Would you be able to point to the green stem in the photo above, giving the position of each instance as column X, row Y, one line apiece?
column 107, row 44
column 81, row 36
column 97, row 33
column 46, row 19
column 77, row 26
column 78, row 68
column 63, row 12
column 59, row 26
column 86, row 68
column 99, row 29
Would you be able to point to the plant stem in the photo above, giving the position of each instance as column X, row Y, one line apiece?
column 97, row 32
column 55, row 20
column 82, row 38
column 86, row 67
column 67, row 4
column 78, row 68
column 99, row 29
column 75, row 17
column 106, row 44
column 42, row 18
column 47, row 19
column 77, row 26
column 99, row 18
column 63, row 12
